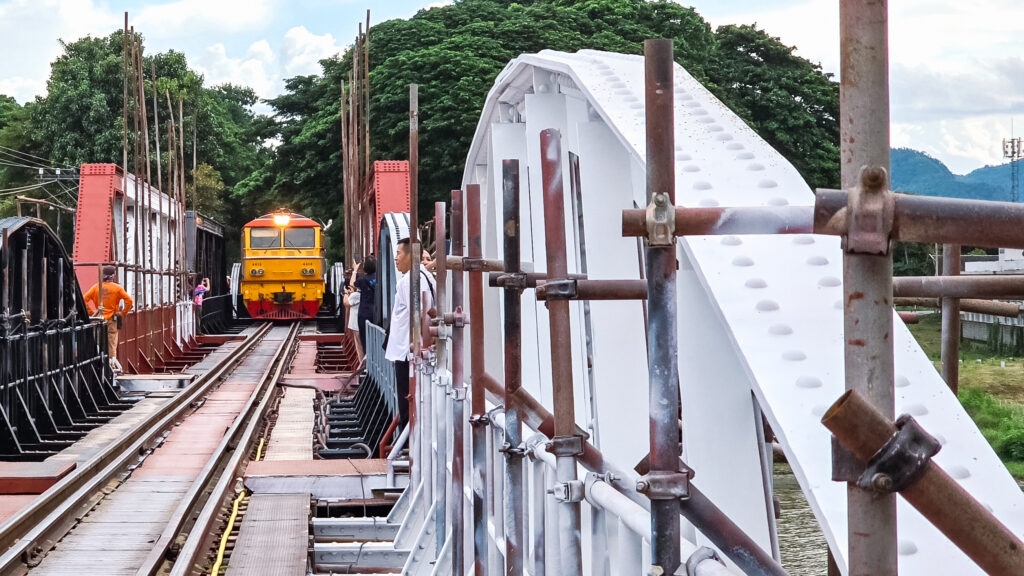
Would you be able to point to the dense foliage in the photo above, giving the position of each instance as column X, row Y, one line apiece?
column 454, row 53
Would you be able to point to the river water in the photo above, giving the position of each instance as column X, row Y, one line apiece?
column 804, row 551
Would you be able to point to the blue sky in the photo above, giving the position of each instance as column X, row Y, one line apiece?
column 956, row 74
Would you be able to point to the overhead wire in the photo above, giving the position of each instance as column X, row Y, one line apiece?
column 32, row 157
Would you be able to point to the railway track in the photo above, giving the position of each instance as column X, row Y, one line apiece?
column 148, row 502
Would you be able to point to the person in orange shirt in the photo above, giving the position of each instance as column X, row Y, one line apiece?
column 113, row 296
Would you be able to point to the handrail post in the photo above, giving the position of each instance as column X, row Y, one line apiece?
column 867, row 266
column 440, row 424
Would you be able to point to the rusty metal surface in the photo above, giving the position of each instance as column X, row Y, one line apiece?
column 993, row 307
column 863, row 430
column 561, row 345
column 728, row 220
column 951, row 320
column 477, row 367
column 971, row 286
column 867, row 276
column 457, row 502
column 515, row 498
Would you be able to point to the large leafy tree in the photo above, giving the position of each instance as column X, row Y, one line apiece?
column 80, row 119
column 454, row 53
column 785, row 98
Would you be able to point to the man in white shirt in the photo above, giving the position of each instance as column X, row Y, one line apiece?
column 397, row 350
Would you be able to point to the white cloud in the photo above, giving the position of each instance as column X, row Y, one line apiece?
column 253, row 70
column 954, row 74
column 301, row 51
column 29, row 30
column 185, row 18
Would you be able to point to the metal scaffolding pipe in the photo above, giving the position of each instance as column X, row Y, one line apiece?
column 565, row 444
column 515, row 497
column 728, row 220
column 930, row 218
column 476, row 264
column 441, row 350
column 863, row 430
column 951, row 320
column 458, row 397
column 970, row 286
column 478, row 417
column 993, row 307
column 698, row 509
column 594, row 289
column 867, row 275
column 662, row 333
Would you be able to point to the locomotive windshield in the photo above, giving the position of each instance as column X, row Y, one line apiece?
column 300, row 237
column 264, row 238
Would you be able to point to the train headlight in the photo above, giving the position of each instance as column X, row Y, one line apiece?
column 256, row 272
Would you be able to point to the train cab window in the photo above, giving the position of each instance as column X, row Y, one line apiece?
column 300, row 237
column 264, row 238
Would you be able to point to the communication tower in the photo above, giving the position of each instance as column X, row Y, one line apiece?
column 1013, row 150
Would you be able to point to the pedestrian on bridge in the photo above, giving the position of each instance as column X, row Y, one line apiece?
column 113, row 297
column 397, row 350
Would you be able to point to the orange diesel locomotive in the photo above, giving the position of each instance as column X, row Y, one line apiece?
column 282, row 273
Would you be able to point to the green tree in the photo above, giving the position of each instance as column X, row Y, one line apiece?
column 785, row 98
column 206, row 193
column 454, row 53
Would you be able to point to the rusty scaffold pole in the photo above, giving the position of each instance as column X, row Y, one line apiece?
column 515, row 496
column 478, row 418
column 457, row 320
column 566, row 444
column 441, row 359
column 666, row 483
column 867, row 267
column 951, row 321
column 421, row 464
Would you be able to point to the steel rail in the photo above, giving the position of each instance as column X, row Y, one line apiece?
column 55, row 510
column 242, row 434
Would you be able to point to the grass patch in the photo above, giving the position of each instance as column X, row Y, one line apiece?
column 991, row 391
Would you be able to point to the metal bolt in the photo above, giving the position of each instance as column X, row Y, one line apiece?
column 873, row 177
column 882, row 482
column 642, row 486
column 656, row 571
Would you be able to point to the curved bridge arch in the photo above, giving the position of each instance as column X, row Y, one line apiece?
column 760, row 326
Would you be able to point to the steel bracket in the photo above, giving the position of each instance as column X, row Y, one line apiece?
column 512, row 281
column 661, row 485
column 511, row 451
column 480, row 419
column 661, row 220
column 872, row 207
column 456, row 319
column 571, row 491
column 557, row 290
column 565, row 445
column 902, row 460
column 472, row 264
column 458, row 393
column 700, row 555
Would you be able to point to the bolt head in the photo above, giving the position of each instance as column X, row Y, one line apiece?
column 642, row 485
column 873, row 177
column 882, row 482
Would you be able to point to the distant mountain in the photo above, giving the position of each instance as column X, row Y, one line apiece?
column 919, row 173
